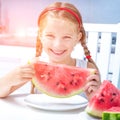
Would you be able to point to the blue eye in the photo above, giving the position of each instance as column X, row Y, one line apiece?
column 67, row 38
column 50, row 36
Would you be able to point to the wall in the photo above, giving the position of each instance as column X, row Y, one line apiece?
column 24, row 13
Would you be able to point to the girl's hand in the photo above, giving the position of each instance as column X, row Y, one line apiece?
column 92, row 85
column 15, row 79
column 21, row 74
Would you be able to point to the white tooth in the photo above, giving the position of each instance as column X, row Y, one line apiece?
column 58, row 52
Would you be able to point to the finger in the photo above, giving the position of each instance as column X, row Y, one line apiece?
column 92, row 83
column 92, row 89
column 26, row 79
column 93, row 78
column 27, row 67
column 28, row 75
column 27, row 70
column 89, row 84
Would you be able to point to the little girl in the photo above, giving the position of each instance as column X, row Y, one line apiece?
column 60, row 30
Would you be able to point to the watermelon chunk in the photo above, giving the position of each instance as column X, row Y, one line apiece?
column 106, row 97
column 60, row 80
column 111, row 114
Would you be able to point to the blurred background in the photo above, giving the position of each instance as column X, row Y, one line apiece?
column 20, row 15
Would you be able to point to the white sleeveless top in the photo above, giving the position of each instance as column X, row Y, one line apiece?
column 81, row 63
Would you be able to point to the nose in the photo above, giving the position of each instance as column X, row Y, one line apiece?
column 57, row 43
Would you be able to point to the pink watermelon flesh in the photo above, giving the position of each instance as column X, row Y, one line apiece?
column 113, row 110
column 60, row 80
column 106, row 97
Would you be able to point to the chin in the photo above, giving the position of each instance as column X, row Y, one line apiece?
column 56, row 61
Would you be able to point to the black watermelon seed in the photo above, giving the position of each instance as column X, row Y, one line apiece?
column 102, row 100
column 102, row 94
column 76, row 83
column 48, row 73
column 71, row 82
column 46, row 64
column 65, row 89
column 57, row 83
column 73, row 74
column 114, row 94
column 111, row 99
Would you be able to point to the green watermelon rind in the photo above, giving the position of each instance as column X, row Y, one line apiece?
column 113, row 113
column 102, row 114
column 111, row 116
column 57, row 96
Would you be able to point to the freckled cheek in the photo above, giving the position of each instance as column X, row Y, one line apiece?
column 46, row 42
column 70, row 45
column 46, row 45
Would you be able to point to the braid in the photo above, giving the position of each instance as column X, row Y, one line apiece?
column 87, row 53
column 38, row 53
column 38, row 47
column 85, row 48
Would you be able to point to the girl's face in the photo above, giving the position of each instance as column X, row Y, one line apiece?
column 58, row 38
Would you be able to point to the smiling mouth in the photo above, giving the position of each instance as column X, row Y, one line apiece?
column 58, row 52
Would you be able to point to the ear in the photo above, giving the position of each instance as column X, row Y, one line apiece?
column 79, row 37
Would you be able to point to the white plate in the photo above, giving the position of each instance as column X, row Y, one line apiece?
column 85, row 116
column 42, row 101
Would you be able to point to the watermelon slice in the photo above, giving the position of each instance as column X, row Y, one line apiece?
column 60, row 80
column 111, row 114
column 106, row 97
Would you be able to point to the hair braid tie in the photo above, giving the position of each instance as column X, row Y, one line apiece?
column 87, row 52
column 88, row 57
